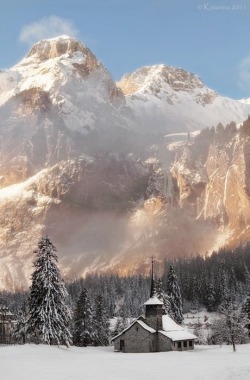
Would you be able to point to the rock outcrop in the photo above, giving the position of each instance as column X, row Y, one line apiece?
column 215, row 186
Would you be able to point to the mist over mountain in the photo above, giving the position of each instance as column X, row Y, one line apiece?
column 115, row 172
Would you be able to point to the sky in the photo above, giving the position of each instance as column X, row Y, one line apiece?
column 209, row 38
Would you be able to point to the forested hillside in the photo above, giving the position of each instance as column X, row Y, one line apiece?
column 204, row 281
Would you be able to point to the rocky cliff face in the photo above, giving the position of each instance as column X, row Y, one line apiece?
column 101, row 168
column 83, row 203
column 158, row 78
column 212, row 174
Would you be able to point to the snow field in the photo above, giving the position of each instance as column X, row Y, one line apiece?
column 41, row 362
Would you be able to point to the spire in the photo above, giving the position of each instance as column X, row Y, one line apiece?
column 152, row 287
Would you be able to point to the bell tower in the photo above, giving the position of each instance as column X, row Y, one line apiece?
column 153, row 314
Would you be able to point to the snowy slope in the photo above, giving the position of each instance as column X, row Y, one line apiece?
column 40, row 362
column 169, row 99
column 78, row 85
column 245, row 101
column 81, row 91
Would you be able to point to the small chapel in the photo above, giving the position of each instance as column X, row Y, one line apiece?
column 155, row 332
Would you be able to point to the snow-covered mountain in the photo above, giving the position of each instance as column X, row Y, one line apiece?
column 75, row 82
column 85, row 160
column 169, row 99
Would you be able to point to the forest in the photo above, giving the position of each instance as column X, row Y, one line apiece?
column 203, row 281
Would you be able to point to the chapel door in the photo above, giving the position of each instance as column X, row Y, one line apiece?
column 122, row 345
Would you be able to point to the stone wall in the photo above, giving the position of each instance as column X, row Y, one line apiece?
column 136, row 339
column 153, row 316
column 164, row 343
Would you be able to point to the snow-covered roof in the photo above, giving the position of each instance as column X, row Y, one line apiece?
column 169, row 324
column 178, row 335
column 145, row 326
column 153, row 301
column 141, row 323
column 174, row 331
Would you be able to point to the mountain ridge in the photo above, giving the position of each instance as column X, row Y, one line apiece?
column 110, row 174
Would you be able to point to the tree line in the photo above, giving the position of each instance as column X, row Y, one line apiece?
column 80, row 312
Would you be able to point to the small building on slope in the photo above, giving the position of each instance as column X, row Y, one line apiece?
column 154, row 333
column 6, row 325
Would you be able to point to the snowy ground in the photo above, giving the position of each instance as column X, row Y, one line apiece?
column 31, row 362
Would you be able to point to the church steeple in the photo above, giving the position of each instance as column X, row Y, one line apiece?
column 152, row 286
column 153, row 315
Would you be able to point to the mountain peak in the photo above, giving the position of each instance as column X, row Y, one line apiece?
column 150, row 77
column 56, row 47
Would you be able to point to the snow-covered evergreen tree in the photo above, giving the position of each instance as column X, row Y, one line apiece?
column 119, row 327
column 163, row 296
column 84, row 328
column 101, row 323
column 174, row 294
column 210, row 296
column 109, row 297
column 246, row 277
column 246, row 311
column 49, row 315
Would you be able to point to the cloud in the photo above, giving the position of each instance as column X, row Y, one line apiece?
column 47, row 28
column 244, row 73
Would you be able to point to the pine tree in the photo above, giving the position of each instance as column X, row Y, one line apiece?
column 118, row 327
column 195, row 293
column 101, row 323
column 210, row 296
column 163, row 296
column 246, row 277
column 246, row 311
column 84, row 333
column 49, row 314
column 223, row 286
column 174, row 293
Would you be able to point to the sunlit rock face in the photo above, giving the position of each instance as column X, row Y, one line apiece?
column 159, row 77
column 227, row 196
column 215, row 186
column 168, row 99
column 102, row 169
column 56, row 47
column 83, row 203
